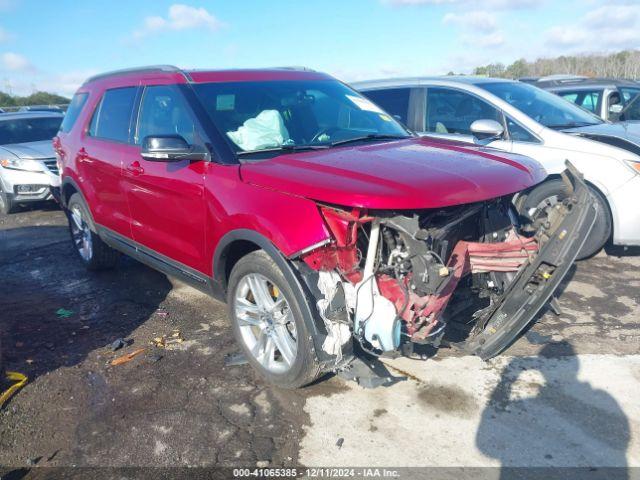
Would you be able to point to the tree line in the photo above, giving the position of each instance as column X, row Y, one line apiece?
column 625, row 64
column 36, row 98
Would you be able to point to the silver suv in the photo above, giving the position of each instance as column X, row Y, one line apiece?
column 28, row 168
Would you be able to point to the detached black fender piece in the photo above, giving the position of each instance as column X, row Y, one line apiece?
column 533, row 285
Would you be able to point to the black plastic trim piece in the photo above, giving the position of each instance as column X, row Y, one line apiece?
column 517, row 307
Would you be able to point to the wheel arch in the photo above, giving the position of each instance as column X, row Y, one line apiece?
column 67, row 189
column 230, row 249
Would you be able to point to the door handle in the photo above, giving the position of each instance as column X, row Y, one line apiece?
column 135, row 168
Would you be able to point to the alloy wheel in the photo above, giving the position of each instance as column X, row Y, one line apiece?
column 81, row 234
column 266, row 322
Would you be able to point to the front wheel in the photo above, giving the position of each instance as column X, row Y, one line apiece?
column 7, row 204
column 555, row 191
column 268, row 322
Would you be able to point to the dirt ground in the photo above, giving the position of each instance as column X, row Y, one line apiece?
column 181, row 405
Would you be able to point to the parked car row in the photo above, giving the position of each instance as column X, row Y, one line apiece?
column 28, row 168
column 530, row 121
column 610, row 99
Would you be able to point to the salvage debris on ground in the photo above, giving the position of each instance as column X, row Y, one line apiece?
column 166, row 341
column 127, row 357
column 19, row 380
column 64, row 313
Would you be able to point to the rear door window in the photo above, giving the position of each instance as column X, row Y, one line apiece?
column 452, row 111
column 393, row 100
column 73, row 111
column 588, row 99
column 112, row 119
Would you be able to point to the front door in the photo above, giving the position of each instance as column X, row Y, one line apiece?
column 166, row 199
column 449, row 114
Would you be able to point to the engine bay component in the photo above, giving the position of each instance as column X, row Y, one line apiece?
column 421, row 266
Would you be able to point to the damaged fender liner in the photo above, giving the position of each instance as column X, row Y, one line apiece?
column 534, row 285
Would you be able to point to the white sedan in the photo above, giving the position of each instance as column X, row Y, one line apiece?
column 521, row 118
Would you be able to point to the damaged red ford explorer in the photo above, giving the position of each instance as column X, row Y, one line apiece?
column 327, row 227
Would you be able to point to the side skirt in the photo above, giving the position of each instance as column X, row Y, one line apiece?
column 162, row 263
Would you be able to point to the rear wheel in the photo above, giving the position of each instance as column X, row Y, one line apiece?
column 268, row 323
column 555, row 191
column 94, row 253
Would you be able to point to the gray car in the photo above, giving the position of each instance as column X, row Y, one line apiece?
column 28, row 167
column 611, row 99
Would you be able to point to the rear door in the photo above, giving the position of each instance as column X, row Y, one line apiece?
column 99, row 160
column 167, row 198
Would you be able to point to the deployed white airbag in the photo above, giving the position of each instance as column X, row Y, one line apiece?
column 267, row 130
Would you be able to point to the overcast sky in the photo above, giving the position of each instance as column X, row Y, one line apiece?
column 54, row 45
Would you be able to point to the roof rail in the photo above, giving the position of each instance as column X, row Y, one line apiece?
column 563, row 77
column 295, row 67
column 149, row 69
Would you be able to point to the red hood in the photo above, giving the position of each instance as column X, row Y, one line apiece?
column 402, row 174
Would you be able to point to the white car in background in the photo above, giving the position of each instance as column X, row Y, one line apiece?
column 524, row 119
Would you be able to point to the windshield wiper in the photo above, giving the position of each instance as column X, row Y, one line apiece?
column 284, row 149
column 572, row 125
column 373, row 136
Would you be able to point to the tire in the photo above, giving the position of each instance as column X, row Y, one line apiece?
column 277, row 344
column 94, row 253
column 7, row 204
column 555, row 190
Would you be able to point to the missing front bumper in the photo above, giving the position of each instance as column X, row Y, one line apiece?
column 534, row 284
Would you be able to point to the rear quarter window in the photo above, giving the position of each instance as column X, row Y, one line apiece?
column 75, row 107
column 112, row 118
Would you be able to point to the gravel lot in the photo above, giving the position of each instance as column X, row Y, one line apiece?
column 574, row 405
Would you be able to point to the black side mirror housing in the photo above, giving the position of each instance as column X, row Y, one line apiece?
column 171, row 148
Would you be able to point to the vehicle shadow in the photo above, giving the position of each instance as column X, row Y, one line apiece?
column 542, row 421
column 53, row 312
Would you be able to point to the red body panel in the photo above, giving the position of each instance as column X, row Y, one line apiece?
column 403, row 174
column 183, row 209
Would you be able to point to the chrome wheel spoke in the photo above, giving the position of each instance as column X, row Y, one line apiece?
column 258, row 348
column 268, row 355
column 260, row 291
column 266, row 324
column 247, row 312
column 76, row 216
column 286, row 344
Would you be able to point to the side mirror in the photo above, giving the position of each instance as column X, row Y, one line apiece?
column 615, row 108
column 170, row 148
column 486, row 131
column 615, row 111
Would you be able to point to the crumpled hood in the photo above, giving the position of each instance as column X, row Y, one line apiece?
column 403, row 174
column 31, row 150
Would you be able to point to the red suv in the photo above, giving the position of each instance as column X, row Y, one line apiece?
column 327, row 226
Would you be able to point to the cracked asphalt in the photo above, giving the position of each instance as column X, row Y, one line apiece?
column 181, row 405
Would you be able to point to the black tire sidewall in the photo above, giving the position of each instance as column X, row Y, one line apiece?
column 602, row 227
column 76, row 199
column 304, row 369
column 8, row 206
